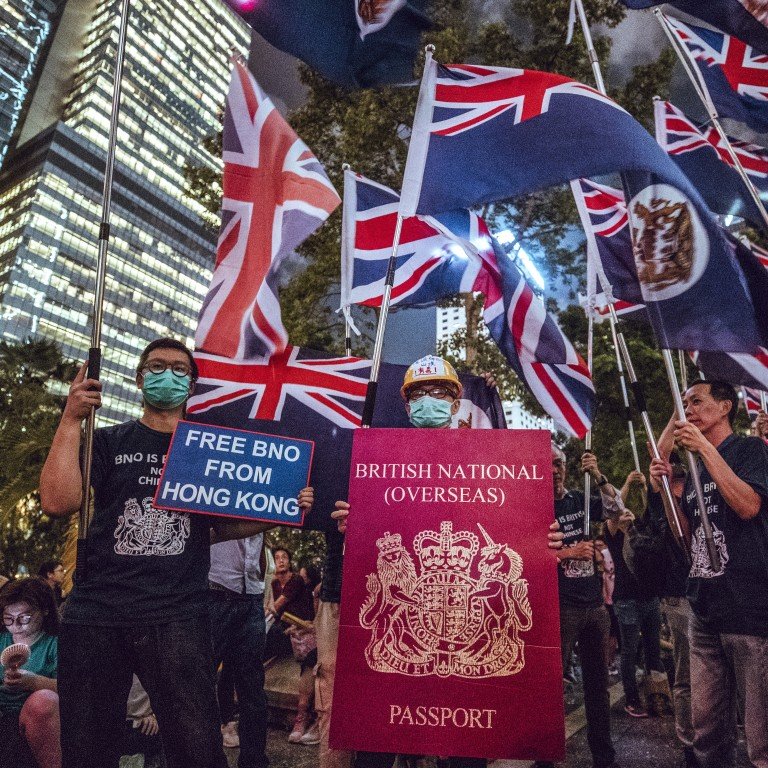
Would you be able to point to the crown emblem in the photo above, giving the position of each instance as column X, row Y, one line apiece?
column 445, row 550
column 389, row 542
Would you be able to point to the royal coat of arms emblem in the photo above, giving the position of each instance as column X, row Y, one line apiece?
column 460, row 614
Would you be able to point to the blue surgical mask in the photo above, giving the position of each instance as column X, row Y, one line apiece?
column 165, row 390
column 430, row 411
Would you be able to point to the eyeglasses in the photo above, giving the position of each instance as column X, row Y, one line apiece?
column 22, row 619
column 438, row 392
column 158, row 366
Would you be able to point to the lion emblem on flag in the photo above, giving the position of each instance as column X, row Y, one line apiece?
column 461, row 613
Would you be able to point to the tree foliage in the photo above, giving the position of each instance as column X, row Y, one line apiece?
column 33, row 380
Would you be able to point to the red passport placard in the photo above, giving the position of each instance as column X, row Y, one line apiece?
column 450, row 640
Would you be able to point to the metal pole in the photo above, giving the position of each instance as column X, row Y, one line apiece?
column 714, row 556
column 373, row 382
column 683, row 369
column 347, row 339
column 594, row 61
column 94, row 353
column 763, row 401
column 624, row 395
column 692, row 70
column 637, row 391
column 588, row 436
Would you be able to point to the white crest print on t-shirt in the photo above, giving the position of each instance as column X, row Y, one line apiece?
column 144, row 530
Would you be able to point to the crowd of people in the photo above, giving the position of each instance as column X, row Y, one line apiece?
column 129, row 662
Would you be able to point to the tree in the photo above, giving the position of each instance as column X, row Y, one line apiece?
column 33, row 381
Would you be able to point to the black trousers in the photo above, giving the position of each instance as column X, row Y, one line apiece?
column 174, row 663
column 590, row 627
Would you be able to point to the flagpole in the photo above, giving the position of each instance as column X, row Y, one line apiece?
column 591, row 52
column 624, row 395
column 373, row 381
column 700, row 86
column 588, row 436
column 683, row 369
column 763, row 401
column 693, row 469
column 94, row 353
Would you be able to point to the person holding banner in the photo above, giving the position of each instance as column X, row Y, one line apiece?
column 143, row 606
column 728, row 628
column 583, row 615
column 432, row 395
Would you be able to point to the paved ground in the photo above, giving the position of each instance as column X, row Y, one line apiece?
column 639, row 744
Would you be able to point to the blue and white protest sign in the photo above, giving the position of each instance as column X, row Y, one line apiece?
column 235, row 473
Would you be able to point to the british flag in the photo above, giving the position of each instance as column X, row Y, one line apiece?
column 603, row 213
column 760, row 253
column 752, row 402
column 735, row 74
column 437, row 256
column 745, row 19
column 747, row 370
column 704, row 157
column 529, row 338
column 276, row 194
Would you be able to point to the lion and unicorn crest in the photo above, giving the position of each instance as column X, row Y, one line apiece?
column 460, row 614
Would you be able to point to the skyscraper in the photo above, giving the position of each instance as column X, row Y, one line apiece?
column 24, row 29
column 176, row 74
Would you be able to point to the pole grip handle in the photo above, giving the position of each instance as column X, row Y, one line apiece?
column 94, row 363
column 370, row 403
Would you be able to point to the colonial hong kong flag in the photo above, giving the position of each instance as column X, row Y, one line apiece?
column 487, row 133
column 734, row 73
column 276, row 194
column 745, row 19
column 603, row 214
column 702, row 155
column 437, row 257
column 312, row 395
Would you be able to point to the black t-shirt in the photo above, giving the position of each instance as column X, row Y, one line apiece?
column 579, row 581
column 676, row 572
column 735, row 599
column 144, row 565
column 626, row 586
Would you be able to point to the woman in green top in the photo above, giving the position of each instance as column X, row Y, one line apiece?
column 29, row 704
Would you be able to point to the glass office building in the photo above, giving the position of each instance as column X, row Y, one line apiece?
column 160, row 253
column 24, row 29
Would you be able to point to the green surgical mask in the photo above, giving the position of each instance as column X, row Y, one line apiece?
column 165, row 390
column 430, row 411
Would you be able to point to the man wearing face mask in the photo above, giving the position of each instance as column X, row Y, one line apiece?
column 143, row 606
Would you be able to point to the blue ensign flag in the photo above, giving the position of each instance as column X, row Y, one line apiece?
column 355, row 43
column 483, row 134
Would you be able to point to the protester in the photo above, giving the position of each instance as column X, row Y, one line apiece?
column 304, row 644
column 729, row 622
column 236, row 584
column 287, row 588
column 676, row 609
column 142, row 605
column 29, row 704
column 52, row 571
column 583, row 615
column 432, row 394
column 637, row 610
column 760, row 425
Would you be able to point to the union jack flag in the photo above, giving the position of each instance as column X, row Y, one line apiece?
column 603, row 213
column 680, row 135
column 329, row 386
column 276, row 194
column 752, row 402
column 735, row 368
column 704, row 158
column 529, row 338
column 734, row 73
column 437, row 256
column 760, row 253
